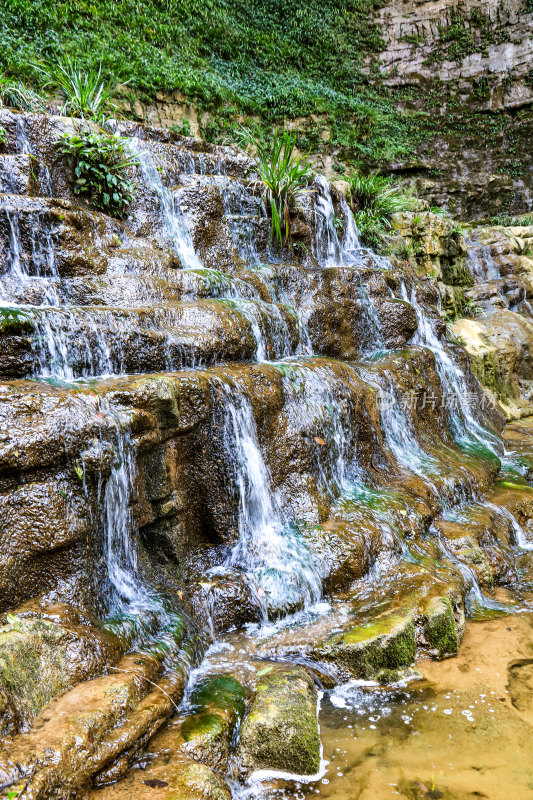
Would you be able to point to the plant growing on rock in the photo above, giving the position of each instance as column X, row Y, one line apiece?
column 376, row 199
column 15, row 94
column 284, row 177
column 86, row 93
column 101, row 164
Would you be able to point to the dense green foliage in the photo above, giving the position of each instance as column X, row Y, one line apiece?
column 375, row 199
column 258, row 62
column 267, row 59
column 284, row 176
column 100, row 162
column 15, row 94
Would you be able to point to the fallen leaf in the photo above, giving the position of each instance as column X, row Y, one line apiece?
column 155, row 783
column 403, row 512
column 318, row 440
column 264, row 671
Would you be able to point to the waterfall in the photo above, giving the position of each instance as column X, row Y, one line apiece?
column 318, row 404
column 24, row 147
column 32, row 270
column 328, row 249
column 136, row 613
column 475, row 600
column 173, row 224
column 374, row 336
column 466, row 428
column 270, row 549
column 120, row 554
column 479, row 260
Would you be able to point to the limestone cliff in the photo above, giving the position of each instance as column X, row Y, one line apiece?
column 470, row 62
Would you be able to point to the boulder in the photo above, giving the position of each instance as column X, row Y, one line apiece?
column 218, row 706
column 439, row 627
column 40, row 658
column 377, row 649
column 281, row 731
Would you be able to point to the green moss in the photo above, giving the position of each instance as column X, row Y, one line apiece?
column 455, row 273
column 223, row 692
column 489, row 372
column 385, row 643
column 202, row 726
column 439, row 627
column 14, row 322
column 281, row 729
column 31, row 666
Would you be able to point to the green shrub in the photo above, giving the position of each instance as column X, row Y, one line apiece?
column 3, row 136
column 100, row 163
column 375, row 200
column 15, row 94
column 86, row 93
column 181, row 129
column 284, row 176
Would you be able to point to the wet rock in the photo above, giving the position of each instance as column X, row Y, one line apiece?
column 217, row 706
column 377, row 649
column 343, row 550
column 439, row 627
column 41, row 655
column 79, row 734
column 198, row 782
column 280, row 731
column 224, row 600
column 170, row 779
column 398, row 322
column 18, row 174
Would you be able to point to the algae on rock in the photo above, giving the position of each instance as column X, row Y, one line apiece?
column 280, row 731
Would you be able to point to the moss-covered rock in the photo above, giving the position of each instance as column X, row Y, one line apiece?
column 40, row 659
column 375, row 649
column 218, row 706
column 439, row 627
column 13, row 321
column 280, row 731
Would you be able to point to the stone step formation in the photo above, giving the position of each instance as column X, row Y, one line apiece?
column 230, row 477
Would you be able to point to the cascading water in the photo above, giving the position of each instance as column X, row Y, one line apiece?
column 270, row 550
column 480, row 261
column 136, row 613
column 29, row 272
column 467, row 429
column 324, row 415
column 328, row 249
column 173, row 224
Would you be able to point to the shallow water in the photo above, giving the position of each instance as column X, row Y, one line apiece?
column 464, row 731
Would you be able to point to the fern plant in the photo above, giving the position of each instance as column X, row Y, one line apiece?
column 101, row 164
column 86, row 93
column 284, row 176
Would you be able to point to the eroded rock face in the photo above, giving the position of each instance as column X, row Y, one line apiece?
column 280, row 731
column 43, row 653
column 461, row 59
